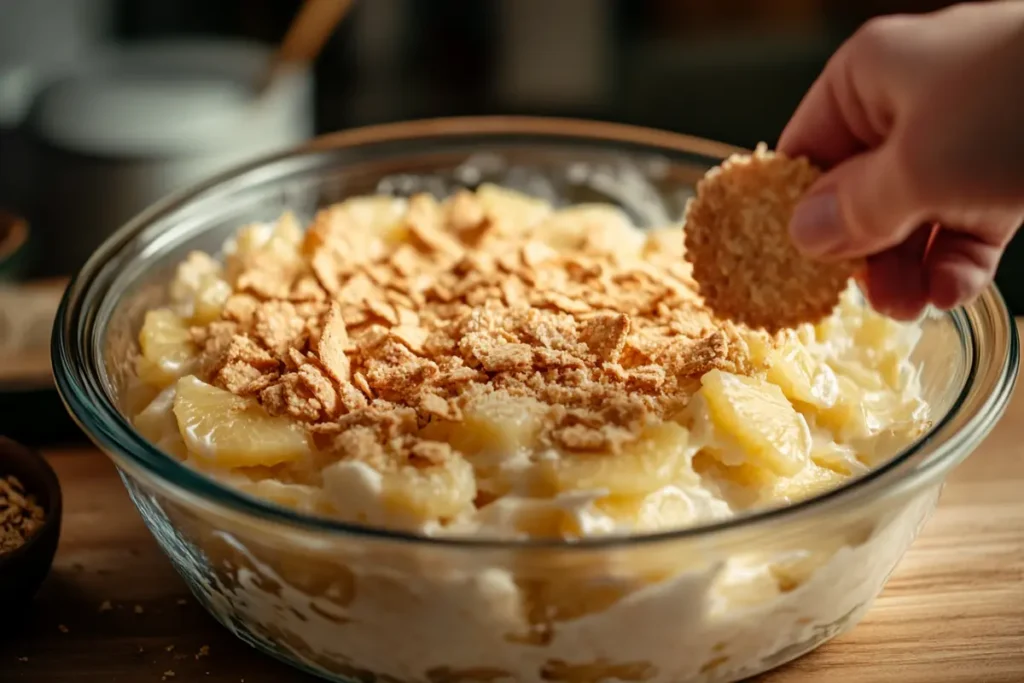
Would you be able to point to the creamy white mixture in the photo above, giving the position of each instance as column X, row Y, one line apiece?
column 720, row 622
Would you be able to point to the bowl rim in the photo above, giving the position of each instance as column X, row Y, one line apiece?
column 90, row 406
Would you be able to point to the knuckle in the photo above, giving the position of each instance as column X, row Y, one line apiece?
column 874, row 33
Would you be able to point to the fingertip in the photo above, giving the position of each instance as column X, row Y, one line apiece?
column 790, row 140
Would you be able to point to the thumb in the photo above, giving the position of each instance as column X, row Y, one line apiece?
column 861, row 207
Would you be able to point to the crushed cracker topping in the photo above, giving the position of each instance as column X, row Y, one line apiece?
column 737, row 239
column 368, row 340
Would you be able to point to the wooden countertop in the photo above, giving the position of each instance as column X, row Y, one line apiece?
column 952, row 612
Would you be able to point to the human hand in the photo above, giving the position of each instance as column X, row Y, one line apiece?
column 919, row 123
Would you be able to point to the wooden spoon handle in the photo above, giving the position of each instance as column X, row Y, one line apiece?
column 307, row 34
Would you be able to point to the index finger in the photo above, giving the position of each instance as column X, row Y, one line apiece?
column 830, row 124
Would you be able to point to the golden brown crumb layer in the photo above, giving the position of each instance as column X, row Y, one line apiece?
column 365, row 340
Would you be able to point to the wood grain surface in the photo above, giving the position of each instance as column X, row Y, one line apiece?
column 953, row 611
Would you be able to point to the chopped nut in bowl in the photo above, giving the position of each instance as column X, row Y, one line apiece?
column 30, row 518
column 441, row 401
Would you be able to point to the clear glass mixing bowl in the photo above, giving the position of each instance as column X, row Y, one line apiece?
column 715, row 603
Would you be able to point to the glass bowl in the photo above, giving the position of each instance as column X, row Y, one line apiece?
column 719, row 602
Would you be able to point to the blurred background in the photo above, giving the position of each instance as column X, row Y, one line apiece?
column 108, row 104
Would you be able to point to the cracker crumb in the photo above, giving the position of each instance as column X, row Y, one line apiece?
column 332, row 345
column 737, row 239
column 20, row 515
column 204, row 651
column 376, row 339
column 106, row 606
column 63, row 629
column 138, row 609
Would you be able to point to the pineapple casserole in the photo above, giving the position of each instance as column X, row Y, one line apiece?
column 490, row 365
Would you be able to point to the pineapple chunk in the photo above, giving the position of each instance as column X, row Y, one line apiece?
column 802, row 377
column 670, row 507
column 167, row 351
column 746, row 476
column 874, row 449
column 295, row 496
column 498, row 424
column 199, row 288
column 747, row 484
column 541, row 519
column 853, row 373
column 810, row 481
column 758, row 417
column 287, row 230
column 513, row 212
column 877, row 332
column 157, row 424
column 407, row 497
column 497, row 434
column 436, row 492
column 657, row 459
column 860, row 414
column 209, row 301
column 666, row 241
column 225, row 430
column 248, row 241
column 532, row 517
column 379, row 215
column 837, row 457
column 759, row 346
column 602, row 227
column 260, row 242
column 283, row 235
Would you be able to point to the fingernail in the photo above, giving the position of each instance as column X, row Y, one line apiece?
column 816, row 226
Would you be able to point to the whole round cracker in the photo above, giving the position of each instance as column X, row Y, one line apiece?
column 737, row 238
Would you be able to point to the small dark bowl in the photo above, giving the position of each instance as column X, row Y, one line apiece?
column 23, row 570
